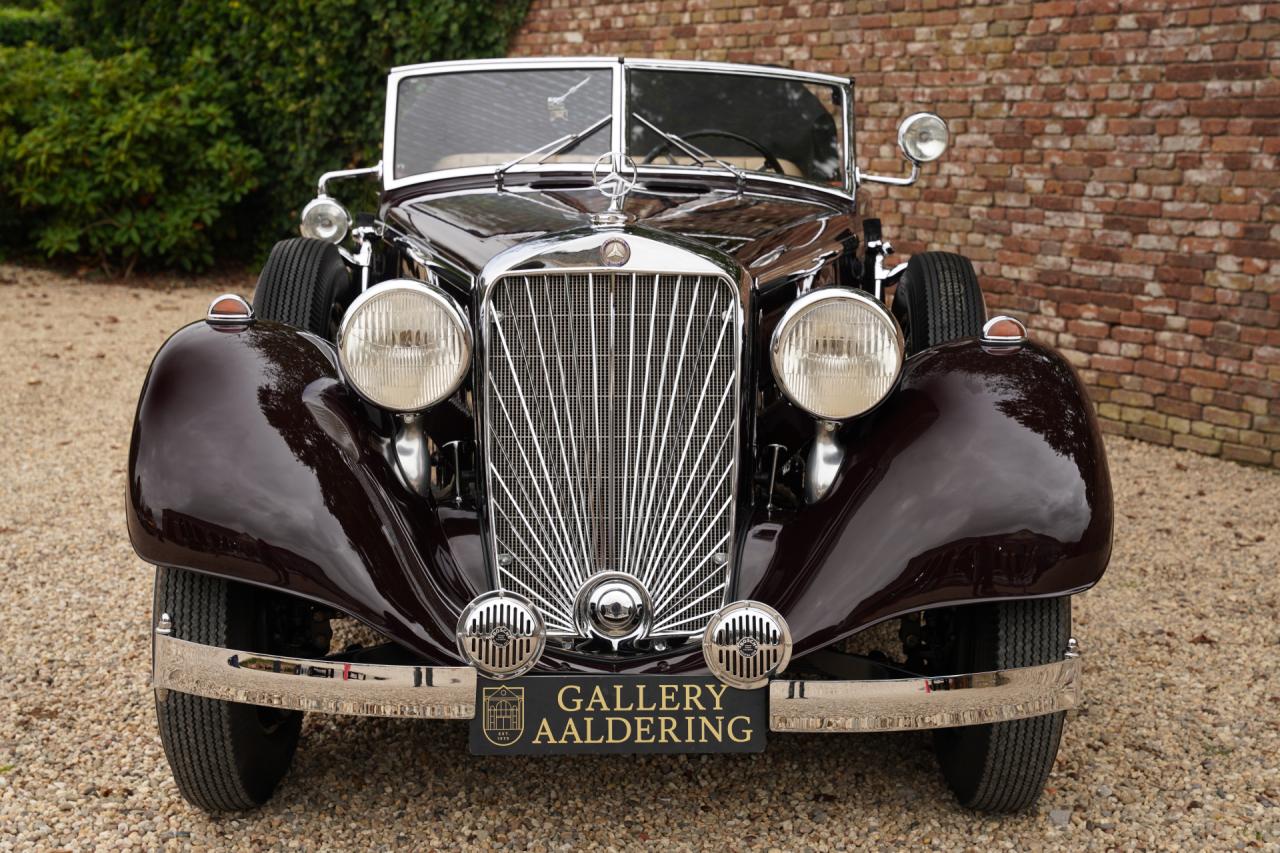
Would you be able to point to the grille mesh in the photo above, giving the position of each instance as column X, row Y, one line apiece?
column 611, row 407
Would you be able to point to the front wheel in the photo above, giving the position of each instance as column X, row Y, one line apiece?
column 225, row 756
column 938, row 300
column 1001, row 767
column 304, row 284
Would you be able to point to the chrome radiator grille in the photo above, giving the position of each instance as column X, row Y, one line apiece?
column 611, row 431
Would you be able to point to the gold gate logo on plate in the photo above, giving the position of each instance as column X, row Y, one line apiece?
column 503, row 710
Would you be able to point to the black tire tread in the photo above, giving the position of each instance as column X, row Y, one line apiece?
column 1020, row 753
column 299, row 283
column 946, row 287
column 1016, row 757
column 199, row 734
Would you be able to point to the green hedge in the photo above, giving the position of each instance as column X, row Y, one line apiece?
column 297, row 88
column 39, row 23
column 114, row 160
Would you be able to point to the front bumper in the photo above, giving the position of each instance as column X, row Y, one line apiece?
column 380, row 690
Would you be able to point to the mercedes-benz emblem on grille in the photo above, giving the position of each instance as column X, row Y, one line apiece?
column 615, row 252
column 620, row 178
column 503, row 710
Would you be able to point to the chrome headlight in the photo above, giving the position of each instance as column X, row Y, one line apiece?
column 404, row 345
column 837, row 353
column 324, row 219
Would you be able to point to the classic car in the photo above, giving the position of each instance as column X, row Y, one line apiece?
column 620, row 429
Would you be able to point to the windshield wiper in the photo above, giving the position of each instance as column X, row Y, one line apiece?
column 699, row 156
column 555, row 146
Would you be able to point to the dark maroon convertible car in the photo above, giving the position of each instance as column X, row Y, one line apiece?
column 618, row 428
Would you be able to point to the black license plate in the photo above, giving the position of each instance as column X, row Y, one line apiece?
column 556, row 715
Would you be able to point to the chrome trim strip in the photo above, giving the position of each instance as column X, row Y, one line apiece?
column 300, row 684
column 737, row 68
column 535, row 62
column 618, row 140
column 902, row 704
column 505, row 63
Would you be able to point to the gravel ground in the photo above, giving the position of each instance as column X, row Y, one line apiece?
column 1176, row 748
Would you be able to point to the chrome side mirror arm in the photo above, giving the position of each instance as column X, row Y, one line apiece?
column 859, row 176
column 922, row 138
column 342, row 174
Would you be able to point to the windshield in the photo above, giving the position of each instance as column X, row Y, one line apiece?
column 509, row 120
column 758, row 124
column 490, row 118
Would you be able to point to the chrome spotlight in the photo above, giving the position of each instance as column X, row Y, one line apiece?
column 501, row 634
column 324, row 219
column 923, row 137
column 746, row 643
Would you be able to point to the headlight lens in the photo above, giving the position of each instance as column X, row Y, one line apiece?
column 324, row 219
column 923, row 137
column 404, row 345
column 836, row 353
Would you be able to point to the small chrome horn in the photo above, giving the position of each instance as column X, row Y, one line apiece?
column 501, row 634
column 746, row 643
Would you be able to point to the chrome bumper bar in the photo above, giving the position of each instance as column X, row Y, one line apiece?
column 901, row 704
column 371, row 690
column 433, row 692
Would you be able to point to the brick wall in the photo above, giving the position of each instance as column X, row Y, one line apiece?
column 1113, row 172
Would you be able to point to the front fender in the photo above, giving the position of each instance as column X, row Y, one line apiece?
column 251, row 460
column 983, row 476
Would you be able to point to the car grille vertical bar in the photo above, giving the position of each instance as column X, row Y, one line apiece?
column 611, row 405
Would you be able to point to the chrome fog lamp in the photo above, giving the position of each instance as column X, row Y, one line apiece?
column 324, row 219
column 923, row 137
column 837, row 353
column 404, row 345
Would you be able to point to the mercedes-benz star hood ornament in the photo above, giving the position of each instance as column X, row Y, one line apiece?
column 614, row 175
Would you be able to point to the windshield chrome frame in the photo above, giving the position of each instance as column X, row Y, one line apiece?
column 619, row 69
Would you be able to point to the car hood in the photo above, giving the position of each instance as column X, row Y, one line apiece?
column 473, row 225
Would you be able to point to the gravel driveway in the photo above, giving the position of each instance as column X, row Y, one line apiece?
column 1177, row 747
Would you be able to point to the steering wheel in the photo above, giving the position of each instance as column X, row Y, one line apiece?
column 664, row 147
